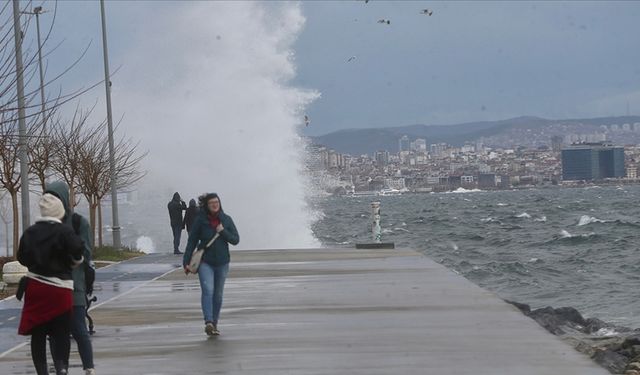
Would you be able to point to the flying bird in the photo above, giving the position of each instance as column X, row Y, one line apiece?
column 428, row 12
column 307, row 120
column 388, row 22
column 351, row 58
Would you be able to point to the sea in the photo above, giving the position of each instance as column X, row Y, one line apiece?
column 577, row 247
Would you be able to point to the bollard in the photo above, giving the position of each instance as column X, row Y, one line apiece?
column 375, row 226
column 12, row 272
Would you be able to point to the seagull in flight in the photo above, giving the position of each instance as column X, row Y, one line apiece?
column 428, row 12
column 388, row 22
column 351, row 58
column 307, row 120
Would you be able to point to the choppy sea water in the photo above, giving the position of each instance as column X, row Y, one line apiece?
column 545, row 247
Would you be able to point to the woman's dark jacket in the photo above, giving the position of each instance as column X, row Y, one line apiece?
column 176, row 206
column 190, row 215
column 50, row 249
column 202, row 232
column 61, row 190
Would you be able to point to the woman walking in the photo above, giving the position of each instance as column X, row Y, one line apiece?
column 215, row 262
column 49, row 250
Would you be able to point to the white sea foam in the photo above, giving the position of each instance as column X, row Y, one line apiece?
column 606, row 332
column 145, row 244
column 524, row 215
column 565, row 234
column 462, row 190
column 220, row 113
column 541, row 219
column 586, row 219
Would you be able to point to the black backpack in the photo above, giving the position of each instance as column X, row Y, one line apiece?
column 89, row 272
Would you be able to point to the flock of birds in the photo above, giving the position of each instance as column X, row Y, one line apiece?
column 386, row 21
column 426, row 12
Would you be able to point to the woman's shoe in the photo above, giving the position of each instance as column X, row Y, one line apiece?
column 209, row 328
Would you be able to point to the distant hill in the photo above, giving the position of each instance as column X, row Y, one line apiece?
column 369, row 140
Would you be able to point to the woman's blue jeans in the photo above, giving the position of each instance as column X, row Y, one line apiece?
column 212, row 280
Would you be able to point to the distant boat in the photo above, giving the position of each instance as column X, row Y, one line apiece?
column 389, row 192
column 361, row 193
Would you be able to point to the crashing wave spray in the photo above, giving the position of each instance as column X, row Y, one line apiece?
column 206, row 87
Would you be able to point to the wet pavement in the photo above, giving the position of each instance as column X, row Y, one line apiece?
column 320, row 311
column 111, row 281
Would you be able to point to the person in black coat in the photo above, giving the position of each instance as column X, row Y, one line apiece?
column 176, row 206
column 190, row 215
column 49, row 249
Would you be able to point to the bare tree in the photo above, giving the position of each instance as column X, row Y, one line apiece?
column 41, row 148
column 68, row 140
column 9, row 167
column 94, row 160
column 95, row 178
column 9, row 170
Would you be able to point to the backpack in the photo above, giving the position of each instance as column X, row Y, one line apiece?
column 89, row 272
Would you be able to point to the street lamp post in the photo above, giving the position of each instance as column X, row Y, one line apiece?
column 37, row 11
column 112, row 164
column 22, row 126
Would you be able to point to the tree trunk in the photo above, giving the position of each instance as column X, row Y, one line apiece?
column 92, row 221
column 6, row 231
column 43, row 182
column 99, row 223
column 16, row 222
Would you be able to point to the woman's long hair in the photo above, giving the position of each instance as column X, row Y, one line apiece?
column 206, row 197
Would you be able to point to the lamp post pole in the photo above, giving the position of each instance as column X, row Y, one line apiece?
column 112, row 164
column 37, row 11
column 22, row 127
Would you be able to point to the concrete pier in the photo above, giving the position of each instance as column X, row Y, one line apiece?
column 322, row 311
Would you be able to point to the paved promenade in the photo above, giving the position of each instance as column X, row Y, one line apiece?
column 322, row 311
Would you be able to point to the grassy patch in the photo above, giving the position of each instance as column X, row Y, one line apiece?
column 115, row 255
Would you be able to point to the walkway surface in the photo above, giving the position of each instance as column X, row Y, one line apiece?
column 321, row 311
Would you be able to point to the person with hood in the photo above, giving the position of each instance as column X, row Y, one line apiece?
column 79, row 329
column 176, row 206
column 190, row 215
column 213, row 270
column 49, row 250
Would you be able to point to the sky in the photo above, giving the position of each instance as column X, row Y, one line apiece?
column 466, row 62
column 217, row 92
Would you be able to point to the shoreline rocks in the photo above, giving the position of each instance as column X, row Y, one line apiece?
column 615, row 348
